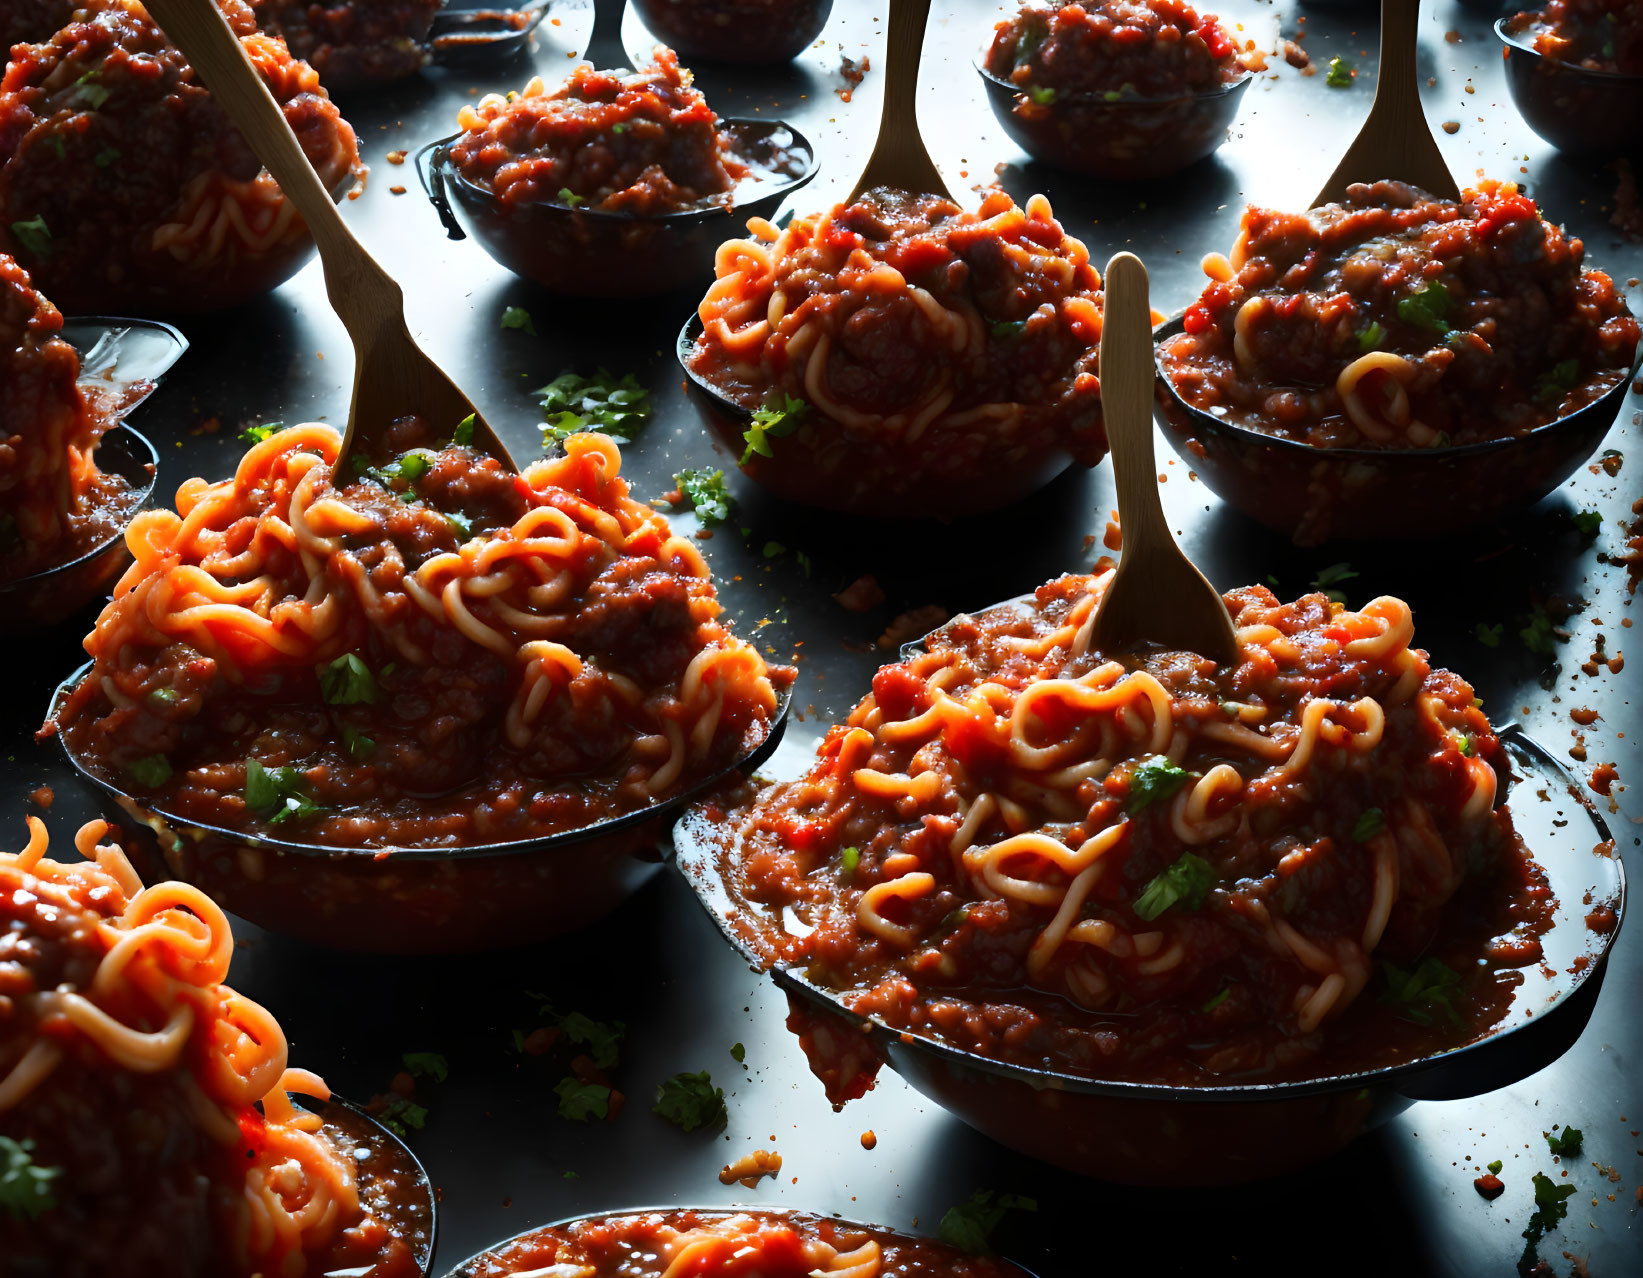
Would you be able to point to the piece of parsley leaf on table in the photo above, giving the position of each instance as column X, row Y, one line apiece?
column 618, row 407
column 970, row 1225
column 25, row 1187
column 579, row 1101
column 689, row 1101
column 705, row 492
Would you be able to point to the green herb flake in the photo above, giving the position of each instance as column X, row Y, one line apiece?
column 579, row 1101
column 1041, row 95
column 518, row 317
column 1216, row 1001
column 1002, row 329
column 603, row 1039
column 164, row 696
column 1332, row 576
column 1588, row 522
column 1370, row 822
column 1465, row 744
column 738, row 1053
column 569, row 198
column 460, row 525
column 1427, row 308
column 1558, row 381
column 1371, row 338
column 1489, row 636
column 570, row 403
column 25, row 1188
column 107, row 156
column 257, row 434
column 151, row 771
column 570, row 1175
column 1551, row 1206
column 278, row 794
column 1186, row 883
column 402, row 1116
column 970, row 1225
column 772, row 549
column 1340, row 74
column 348, row 681
column 849, row 859
column 1494, row 1167
column 773, row 423
column 690, row 1101
column 1566, row 1145
column 429, row 1065
column 1539, row 636
column 463, row 435
column 705, row 492
column 1429, row 988
column 34, row 235
column 356, row 743
column 1154, row 779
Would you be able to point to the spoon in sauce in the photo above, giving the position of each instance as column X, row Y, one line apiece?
column 1157, row 595
column 393, row 378
column 899, row 158
column 1395, row 140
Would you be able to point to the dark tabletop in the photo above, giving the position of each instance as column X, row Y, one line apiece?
column 1400, row 1201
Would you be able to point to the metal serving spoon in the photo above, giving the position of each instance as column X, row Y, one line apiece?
column 899, row 157
column 1395, row 141
column 393, row 378
column 1157, row 594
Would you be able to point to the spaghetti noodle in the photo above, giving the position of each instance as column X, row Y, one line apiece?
column 124, row 186
column 434, row 653
column 158, row 1096
column 727, row 1244
column 1397, row 320
column 1147, row 868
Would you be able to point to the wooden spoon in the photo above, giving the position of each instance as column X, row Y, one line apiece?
column 1157, row 595
column 392, row 376
column 899, row 159
column 1395, row 141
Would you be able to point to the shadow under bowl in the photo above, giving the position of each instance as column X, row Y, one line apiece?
column 469, row 1267
column 1314, row 494
column 1172, row 1136
column 583, row 252
column 406, row 901
column 1578, row 110
column 734, row 30
column 822, row 465
column 1128, row 140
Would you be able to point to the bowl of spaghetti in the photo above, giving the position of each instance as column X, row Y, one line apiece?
column 747, row 32
column 901, row 357
column 1395, row 365
column 147, row 1111
column 1135, row 916
column 1574, row 69
column 611, row 184
column 1119, row 90
column 123, row 186
column 665, row 1242
column 429, row 706
column 72, row 475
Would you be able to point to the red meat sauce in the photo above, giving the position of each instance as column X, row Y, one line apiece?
column 1499, row 328
column 55, row 504
column 736, row 1244
column 1224, row 1015
column 1117, row 49
column 141, row 1190
column 110, row 150
column 1599, row 35
column 352, row 43
column 644, row 143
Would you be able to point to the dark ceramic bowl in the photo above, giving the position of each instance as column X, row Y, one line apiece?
column 388, row 1166
column 1579, row 111
column 733, row 30
column 821, row 465
column 1128, row 140
column 469, row 1266
column 588, row 253
column 1315, row 494
column 1149, row 1134
column 407, row 900
column 121, row 362
column 480, row 38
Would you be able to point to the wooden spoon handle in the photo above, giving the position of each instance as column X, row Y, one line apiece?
column 903, row 49
column 1397, row 84
column 1126, row 372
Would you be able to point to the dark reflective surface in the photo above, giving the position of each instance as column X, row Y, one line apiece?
column 1399, row 1201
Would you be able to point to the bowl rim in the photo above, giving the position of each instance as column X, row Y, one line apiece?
column 1045, row 1079
column 1175, row 325
column 434, row 159
column 139, row 810
column 464, row 1268
column 424, row 1181
column 1090, row 98
column 1511, row 41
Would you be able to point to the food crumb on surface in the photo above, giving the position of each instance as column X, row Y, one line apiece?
column 1489, row 1185
column 1451, row 126
column 869, row 1140
column 751, row 1168
column 45, row 796
column 396, row 157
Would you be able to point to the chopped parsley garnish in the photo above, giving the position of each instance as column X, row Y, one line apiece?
column 690, row 1101
column 93, row 95
column 402, row 1115
column 1371, row 338
column 774, row 548
column 1553, row 385
column 849, row 859
column 603, row 1039
column 1428, row 308
column 1186, row 883
column 1420, row 993
column 426, row 1065
column 1216, row 1001
column 1340, row 74
column 1551, row 1206
column 1154, row 779
column 570, row 198
column 1538, row 636
column 34, row 235
column 1332, row 576
column 579, row 1101
column 1040, row 94
column 1489, row 636
column 165, row 696
column 278, row 794
column 461, row 526
column 106, row 156
column 1567, row 1144
column 518, row 317
column 348, row 681
column 463, row 435
column 409, row 467
column 256, row 434
column 738, row 1053
column 970, row 1225
column 1494, row 1167
column 1007, row 328
column 1370, row 822
column 25, row 1189
column 358, row 745
column 151, row 771
column 1463, row 743
column 705, row 492
column 1588, row 522
column 773, row 423
column 571, row 403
